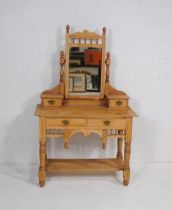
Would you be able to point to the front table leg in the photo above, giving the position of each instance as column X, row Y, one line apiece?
column 42, row 152
column 66, row 139
column 127, row 151
column 104, row 139
column 119, row 151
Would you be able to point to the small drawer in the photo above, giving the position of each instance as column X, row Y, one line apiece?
column 59, row 123
column 118, row 103
column 105, row 123
column 52, row 102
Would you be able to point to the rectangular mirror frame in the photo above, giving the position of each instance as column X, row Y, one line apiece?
column 85, row 39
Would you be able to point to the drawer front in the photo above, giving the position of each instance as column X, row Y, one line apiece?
column 52, row 102
column 105, row 123
column 118, row 103
column 62, row 123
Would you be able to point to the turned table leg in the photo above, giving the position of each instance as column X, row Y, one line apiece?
column 42, row 152
column 127, row 151
column 119, row 146
column 104, row 139
column 119, row 152
column 66, row 139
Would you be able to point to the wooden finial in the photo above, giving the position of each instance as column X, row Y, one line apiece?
column 67, row 28
column 62, row 61
column 66, row 145
column 104, row 146
column 104, row 30
column 108, row 62
column 108, row 55
column 61, row 57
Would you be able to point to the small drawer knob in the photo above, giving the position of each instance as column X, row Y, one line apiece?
column 107, row 122
column 51, row 102
column 119, row 103
column 65, row 122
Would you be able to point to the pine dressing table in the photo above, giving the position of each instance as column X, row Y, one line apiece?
column 85, row 102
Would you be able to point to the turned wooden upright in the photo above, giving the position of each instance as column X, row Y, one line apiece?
column 62, row 115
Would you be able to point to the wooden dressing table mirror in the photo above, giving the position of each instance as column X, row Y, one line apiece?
column 85, row 102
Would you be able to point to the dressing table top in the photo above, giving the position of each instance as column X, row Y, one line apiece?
column 84, row 112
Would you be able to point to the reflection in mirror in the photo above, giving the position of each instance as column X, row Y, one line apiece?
column 85, row 71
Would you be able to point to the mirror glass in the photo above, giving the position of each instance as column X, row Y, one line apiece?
column 84, row 71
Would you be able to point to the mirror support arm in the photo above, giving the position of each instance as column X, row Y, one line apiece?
column 62, row 62
column 107, row 62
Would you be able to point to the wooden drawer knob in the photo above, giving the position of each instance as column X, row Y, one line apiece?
column 66, row 145
column 51, row 102
column 65, row 122
column 104, row 146
column 119, row 103
column 107, row 122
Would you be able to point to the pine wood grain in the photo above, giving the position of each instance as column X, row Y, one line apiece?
column 84, row 165
column 84, row 111
column 107, row 114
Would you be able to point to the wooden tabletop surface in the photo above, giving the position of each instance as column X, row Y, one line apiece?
column 84, row 112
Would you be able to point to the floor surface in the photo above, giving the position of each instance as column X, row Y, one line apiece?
column 150, row 188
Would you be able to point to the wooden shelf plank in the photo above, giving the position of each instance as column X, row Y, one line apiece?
column 84, row 165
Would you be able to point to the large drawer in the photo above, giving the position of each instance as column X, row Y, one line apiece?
column 105, row 123
column 66, row 123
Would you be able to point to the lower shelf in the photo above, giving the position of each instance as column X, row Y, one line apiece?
column 84, row 165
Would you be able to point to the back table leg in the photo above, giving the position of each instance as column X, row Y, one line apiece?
column 127, row 151
column 119, row 152
column 42, row 152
